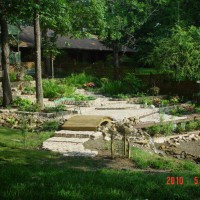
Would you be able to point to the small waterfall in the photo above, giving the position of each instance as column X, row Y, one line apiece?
column 151, row 143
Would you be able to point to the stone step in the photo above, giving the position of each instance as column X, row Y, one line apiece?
column 78, row 134
column 68, row 140
column 88, row 153
column 68, row 146
column 63, row 147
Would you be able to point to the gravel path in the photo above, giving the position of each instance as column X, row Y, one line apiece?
column 71, row 143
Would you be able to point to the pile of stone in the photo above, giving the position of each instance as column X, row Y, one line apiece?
column 125, row 127
column 171, row 144
column 140, row 138
column 20, row 121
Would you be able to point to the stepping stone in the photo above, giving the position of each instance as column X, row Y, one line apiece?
column 68, row 146
column 82, row 154
column 78, row 134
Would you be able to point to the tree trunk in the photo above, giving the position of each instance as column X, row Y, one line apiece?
column 47, row 59
column 38, row 68
column 7, row 93
column 116, row 61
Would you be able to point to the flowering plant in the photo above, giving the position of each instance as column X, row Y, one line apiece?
column 89, row 84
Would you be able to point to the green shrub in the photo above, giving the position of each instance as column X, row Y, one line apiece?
column 197, row 109
column 79, row 97
column 30, row 108
column 28, row 90
column 153, row 130
column 28, row 78
column 21, row 102
column 183, row 110
column 180, row 128
column 52, row 89
column 164, row 102
column 145, row 100
column 131, row 84
column 13, row 76
column 92, row 98
column 167, row 129
column 192, row 125
column 51, row 125
column 112, row 88
column 78, row 80
column 174, row 99
column 154, row 90
column 122, row 96
column 156, row 101
column 54, row 109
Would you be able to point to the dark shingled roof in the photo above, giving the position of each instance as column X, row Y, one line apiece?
column 26, row 38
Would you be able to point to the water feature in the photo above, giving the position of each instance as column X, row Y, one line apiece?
column 151, row 143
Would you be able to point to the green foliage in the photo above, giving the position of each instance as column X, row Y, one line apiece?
column 180, row 128
column 164, row 102
column 28, row 78
column 183, row 110
column 78, row 80
column 19, row 102
column 154, row 90
column 174, row 100
column 153, row 130
column 52, row 89
column 122, row 19
column 28, row 90
column 145, row 100
column 54, row 109
column 144, row 160
column 179, row 51
column 147, row 71
column 192, row 125
column 122, row 96
column 13, row 76
column 129, row 85
column 156, row 101
column 80, row 97
column 51, row 125
column 34, row 107
column 12, row 138
column 39, row 168
column 112, row 88
column 167, row 129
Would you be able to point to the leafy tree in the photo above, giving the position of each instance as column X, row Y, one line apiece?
column 121, row 20
column 179, row 52
column 49, row 11
column 171, row 14
column 57, row 19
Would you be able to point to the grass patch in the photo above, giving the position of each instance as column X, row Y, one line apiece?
column 145, row 160
column 16, row 139
column 29, row 173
